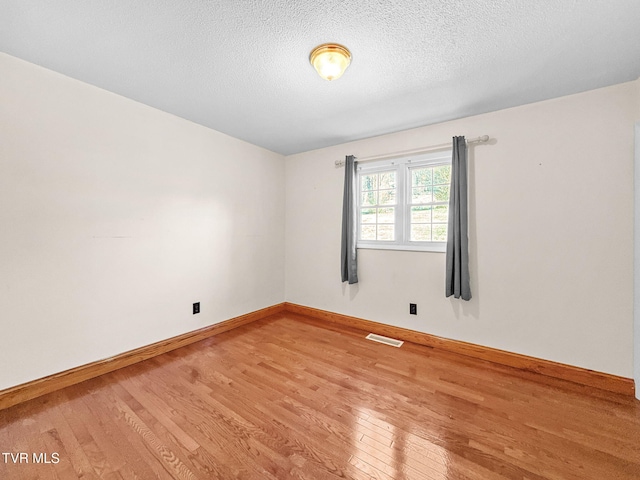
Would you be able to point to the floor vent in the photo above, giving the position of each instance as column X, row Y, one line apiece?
column 386, row 340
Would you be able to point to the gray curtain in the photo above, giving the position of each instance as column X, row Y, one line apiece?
column 348, row 252
column 457, row 280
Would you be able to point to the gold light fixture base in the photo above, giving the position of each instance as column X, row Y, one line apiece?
column 330, row 60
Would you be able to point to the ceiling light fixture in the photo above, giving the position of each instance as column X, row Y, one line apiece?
column 330, row 60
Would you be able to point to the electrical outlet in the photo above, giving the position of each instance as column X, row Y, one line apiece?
column 413, row 309
column 196, row 308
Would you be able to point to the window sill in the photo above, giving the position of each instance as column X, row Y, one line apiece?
column 440, row 248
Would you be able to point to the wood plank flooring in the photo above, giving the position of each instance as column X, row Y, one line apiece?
column 290, row 397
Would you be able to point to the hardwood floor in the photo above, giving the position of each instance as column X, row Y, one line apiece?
column 292, row 397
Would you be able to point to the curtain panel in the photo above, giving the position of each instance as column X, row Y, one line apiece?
column 348, row 255
column 457, row 261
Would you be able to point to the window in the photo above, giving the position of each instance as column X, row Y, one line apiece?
column 403, row 203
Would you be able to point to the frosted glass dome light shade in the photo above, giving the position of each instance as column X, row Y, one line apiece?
column 330, row 60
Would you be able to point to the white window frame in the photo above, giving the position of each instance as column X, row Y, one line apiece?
column 402, row 166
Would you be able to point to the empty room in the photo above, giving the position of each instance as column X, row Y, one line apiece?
column 320, row 239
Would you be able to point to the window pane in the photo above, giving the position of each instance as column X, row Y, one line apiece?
column 420, row 233
column 368, row 215
column 441, row 193
column 439, row 233
column 421, row 176
column 421, row 195
column 442, row 175
column 424, row 203
column 370, row 182
column 386, row 215
column 369, row 198
column 387, row 197
column 388, row 180
column 420, row 214
column 367, row 232
column 385, row 232
column 441, row 213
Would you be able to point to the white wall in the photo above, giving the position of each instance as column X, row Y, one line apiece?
column 636, row 264
column 116, row 217
column 551, row 233
column 636, row 307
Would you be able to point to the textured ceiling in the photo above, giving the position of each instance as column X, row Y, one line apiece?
column 241, row 66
